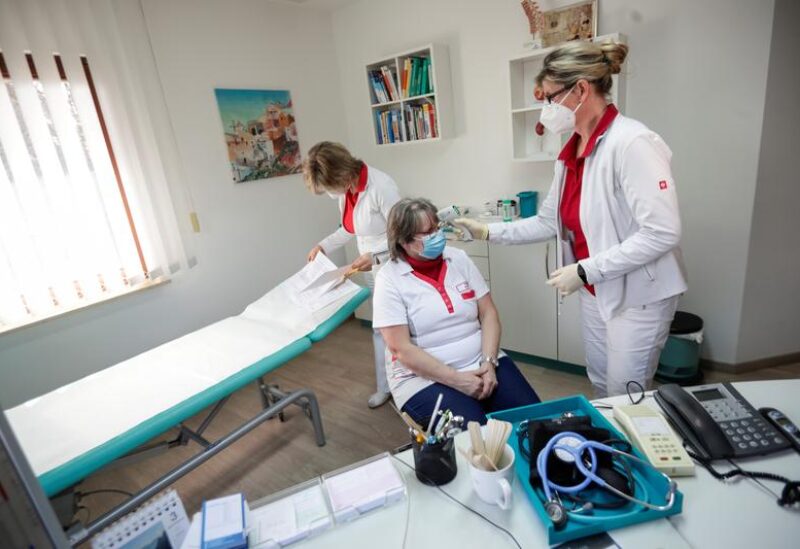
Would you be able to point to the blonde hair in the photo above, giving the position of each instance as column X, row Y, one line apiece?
column 329, row 166
column 581, row 60
column 407, row 218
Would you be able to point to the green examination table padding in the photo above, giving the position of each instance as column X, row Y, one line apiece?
column 75, row 470
column 79, row 468
column 322, row 331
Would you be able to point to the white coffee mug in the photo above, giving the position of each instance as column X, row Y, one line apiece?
column 495, row 486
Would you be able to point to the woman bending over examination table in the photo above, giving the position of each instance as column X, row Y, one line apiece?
column 441, row 328
column 365, row 195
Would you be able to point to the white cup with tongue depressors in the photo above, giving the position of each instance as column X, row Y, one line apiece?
column 495, row 486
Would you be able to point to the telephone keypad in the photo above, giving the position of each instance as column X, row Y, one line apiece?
column 741, row 428
column 663, row 448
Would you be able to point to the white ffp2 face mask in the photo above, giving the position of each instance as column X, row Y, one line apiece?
column 557, row 118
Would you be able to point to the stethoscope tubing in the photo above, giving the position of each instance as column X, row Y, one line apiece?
column 589, row 472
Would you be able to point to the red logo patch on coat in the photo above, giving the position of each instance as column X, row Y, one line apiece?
column 465, row 290
column 662, row 185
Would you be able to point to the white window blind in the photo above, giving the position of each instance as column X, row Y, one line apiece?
column 86, row 208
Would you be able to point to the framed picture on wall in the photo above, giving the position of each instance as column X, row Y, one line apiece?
column 573, row 22
column 260, row 133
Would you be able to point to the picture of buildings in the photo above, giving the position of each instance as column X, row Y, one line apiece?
column 260, row 133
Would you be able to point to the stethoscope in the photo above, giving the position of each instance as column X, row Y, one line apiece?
column 572, row 447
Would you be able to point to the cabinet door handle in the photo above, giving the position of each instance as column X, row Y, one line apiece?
column 547, row 261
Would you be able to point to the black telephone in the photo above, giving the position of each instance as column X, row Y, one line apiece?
column 718, row 422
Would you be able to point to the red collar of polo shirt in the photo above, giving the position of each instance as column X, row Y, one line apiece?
column 431, row 268
column 351, row 198
column 438, row 284
column 362, row 179
column 569, row 154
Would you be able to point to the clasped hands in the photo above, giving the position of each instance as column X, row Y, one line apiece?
column 478, row 384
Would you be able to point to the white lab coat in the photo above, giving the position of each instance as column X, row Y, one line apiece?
column 369, row 222
column 369, row 216
column 629, row 214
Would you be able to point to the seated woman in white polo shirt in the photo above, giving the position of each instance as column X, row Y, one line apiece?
column 441, row 328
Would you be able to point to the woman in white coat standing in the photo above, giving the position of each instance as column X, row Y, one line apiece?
column 365, row 196
column 613, row 209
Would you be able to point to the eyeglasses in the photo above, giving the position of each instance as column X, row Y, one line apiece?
column 549, row 97
column 421, row 236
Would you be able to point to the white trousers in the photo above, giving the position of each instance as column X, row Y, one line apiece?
column 627, row 347
column 378, row 346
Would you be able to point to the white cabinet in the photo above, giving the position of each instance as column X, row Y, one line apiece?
column 527, row 306
column 534, row 321
column 478, row 252
column 570, row 332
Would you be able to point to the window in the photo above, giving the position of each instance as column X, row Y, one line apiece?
column 68, row 227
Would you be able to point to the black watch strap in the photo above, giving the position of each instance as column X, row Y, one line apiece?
column 582, row 274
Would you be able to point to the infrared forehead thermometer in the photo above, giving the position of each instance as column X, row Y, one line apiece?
column 448, row 215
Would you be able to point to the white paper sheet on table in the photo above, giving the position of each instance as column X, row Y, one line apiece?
column 305, row 292
column 329, row 278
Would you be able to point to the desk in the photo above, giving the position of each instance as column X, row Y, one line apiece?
column 741, row 513
column 715, row 514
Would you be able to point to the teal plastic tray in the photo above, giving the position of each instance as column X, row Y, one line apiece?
column 653, row 481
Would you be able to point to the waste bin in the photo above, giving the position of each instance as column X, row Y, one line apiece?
column 680, row 358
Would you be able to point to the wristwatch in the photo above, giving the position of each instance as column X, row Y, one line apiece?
column 491, row 360
column 582, row 274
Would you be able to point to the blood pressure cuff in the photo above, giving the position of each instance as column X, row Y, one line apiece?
column 559, row 471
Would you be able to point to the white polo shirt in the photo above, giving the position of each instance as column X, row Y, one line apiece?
column 441, row 315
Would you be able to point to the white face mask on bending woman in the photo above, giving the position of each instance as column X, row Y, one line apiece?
column 557, row 118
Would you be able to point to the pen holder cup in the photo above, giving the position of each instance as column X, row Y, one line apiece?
column 435, row 464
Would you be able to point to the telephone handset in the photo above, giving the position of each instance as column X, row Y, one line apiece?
column 718, row 422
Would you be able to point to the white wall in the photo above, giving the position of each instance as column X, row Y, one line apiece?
column 253, row 234
column 696, row 74
column 771, row 309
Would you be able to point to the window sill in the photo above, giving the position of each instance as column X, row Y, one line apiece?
column 147, row 285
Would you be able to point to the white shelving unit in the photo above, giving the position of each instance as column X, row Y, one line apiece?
column 440, row 96
column 527, row 146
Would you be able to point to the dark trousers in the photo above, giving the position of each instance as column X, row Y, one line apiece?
column 512, row 391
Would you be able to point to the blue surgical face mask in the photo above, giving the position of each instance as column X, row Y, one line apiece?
column 433, row 245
